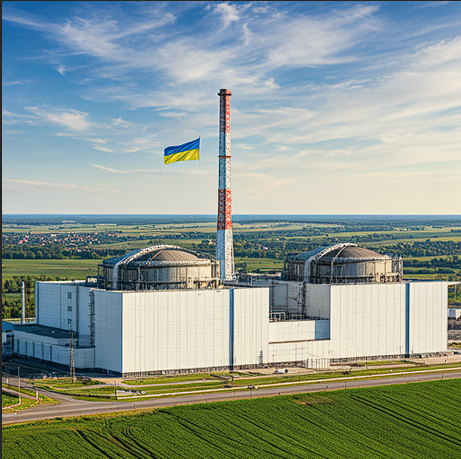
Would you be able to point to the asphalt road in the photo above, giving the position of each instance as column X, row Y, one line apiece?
column 70, row 407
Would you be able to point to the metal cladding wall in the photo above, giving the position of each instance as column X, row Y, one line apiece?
column 318, row 301
column 428, row 316
column 296, row 341
column 50, row 349
column 64, row 305
column 367, row 320
column 251, row 326
column 108, row 329
column 287, row 297
column 175, row 330
column 140, row 332
column 162, row 275
column 388, row 319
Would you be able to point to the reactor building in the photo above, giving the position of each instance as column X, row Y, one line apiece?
column 166, row 309
column 163, row 309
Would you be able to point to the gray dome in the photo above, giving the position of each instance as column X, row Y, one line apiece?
column 352, row 254
column 159, row 267
column 168, row 255
column 342, row 263
column 157, row 253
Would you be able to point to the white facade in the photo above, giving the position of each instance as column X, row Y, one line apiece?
column 365, row 320
column 66, row 306
column 150, row 331
column 138, row 332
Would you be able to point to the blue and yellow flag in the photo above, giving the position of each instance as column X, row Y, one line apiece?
column 185, row 152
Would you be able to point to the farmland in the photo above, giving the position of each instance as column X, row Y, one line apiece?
column 59, row 248
column 401, row 421
column 71, row 269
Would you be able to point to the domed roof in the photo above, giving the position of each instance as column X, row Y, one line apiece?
column 341, row 252
column 168, row 255
column 354, row 253
column 155, row 254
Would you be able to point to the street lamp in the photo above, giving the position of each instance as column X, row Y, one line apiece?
column 19, row 385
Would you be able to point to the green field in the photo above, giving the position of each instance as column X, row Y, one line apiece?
column 264, row 264
column 72, row 269
column 418, row 421
column 8, row 399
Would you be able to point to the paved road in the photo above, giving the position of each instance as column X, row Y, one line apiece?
column 71, row 407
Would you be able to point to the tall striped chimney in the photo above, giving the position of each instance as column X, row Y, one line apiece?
column 225, row 243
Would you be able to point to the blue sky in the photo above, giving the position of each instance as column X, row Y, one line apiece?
column 337, row 107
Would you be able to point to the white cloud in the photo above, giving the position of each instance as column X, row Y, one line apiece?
column 32, row 184
column 120, row 123
column 319, row 92
column 228, row 13
column 98, row 147
column 98, row 141
column 151, row 171
column 73, row 119
column 61, row 69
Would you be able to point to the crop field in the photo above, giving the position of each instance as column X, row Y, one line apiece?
column 403, row 421
column 261, row 263
column 72, row 269
column 132, row 245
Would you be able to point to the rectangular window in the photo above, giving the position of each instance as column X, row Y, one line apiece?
column 69, row 308
column 69, row 323
column 69, row 295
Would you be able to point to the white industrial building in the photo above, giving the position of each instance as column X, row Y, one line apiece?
column 162, row 309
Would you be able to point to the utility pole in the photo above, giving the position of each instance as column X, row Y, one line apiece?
column 23, row 312
column 71, row 356
column 19, row 385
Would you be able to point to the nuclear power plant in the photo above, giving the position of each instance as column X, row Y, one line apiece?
column 166, row 309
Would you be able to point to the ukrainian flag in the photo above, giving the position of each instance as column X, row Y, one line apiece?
column 185, row 152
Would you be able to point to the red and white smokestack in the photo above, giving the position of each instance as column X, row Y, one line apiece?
column 225, row 243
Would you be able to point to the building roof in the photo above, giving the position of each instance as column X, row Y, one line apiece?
column 342, row 252
column 157, row 253
column 7, row 326
column 169, row 255
column 354, row 253
column 43, row 330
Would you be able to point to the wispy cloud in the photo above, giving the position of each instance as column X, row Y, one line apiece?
column 228, row 13
column 321, row 91
column 153, row 171
column 107, row 150
column 134, row 171
column 51, row 185
column 72, row 119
